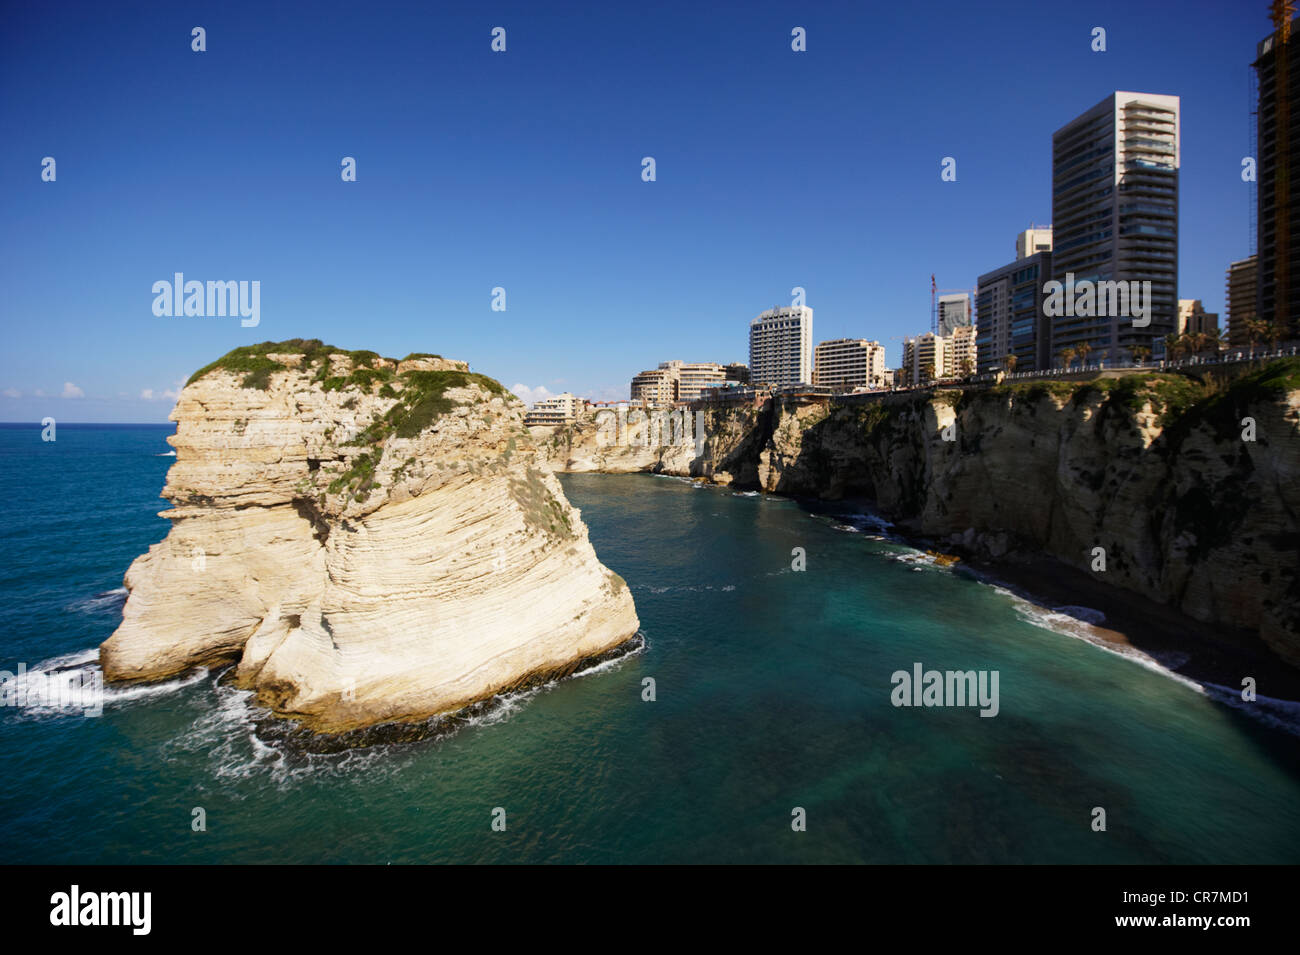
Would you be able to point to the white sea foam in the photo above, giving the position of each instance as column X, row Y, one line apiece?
column 866, row 519
column 165, row 454
column 1078, row 622
column 105, row 602
column 1279, row 714
column 687, row 588
column 225, row 736
column 83, row 665
column 1086, row 614
column 918, row 559
column 144, row 691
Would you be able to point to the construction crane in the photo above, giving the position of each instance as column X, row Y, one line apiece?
column 1282, row 11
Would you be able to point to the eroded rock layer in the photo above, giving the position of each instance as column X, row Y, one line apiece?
column 370, row 540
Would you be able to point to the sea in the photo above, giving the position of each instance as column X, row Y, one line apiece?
column 756, row 723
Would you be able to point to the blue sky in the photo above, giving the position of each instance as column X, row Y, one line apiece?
column 522, row 170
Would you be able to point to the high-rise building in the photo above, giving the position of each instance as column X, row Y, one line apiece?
column 847, row 363
column 954, row 312
column 1010, row 300
column 1115, row 219
column 780, row 346
column 1193, row 319
column 1243, row 289
column 1277, row 155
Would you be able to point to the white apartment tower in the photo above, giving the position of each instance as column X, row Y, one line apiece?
column 780, row 346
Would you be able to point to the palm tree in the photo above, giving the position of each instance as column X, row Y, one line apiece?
column 967, row 367
column 1067, row 356
column 1256, row 331
column 1174, row 345
column 1083, row 348
column 1274, row 333
column 927, row 371
column 1010, row 361
column 1141, row 353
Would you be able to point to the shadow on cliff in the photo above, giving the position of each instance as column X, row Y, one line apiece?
column 1046, row 484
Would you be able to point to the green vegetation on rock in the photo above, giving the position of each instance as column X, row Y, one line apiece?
column 424, row 398
column 257, row 368
column 542, row 511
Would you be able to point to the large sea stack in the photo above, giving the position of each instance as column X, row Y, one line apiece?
column 370, row 540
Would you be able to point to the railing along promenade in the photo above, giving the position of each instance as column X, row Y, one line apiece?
column 1231, row 360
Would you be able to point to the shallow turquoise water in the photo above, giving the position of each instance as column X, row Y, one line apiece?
column 773, row 691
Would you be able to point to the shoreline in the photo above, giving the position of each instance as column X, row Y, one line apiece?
column 1134, row 625
column 1184, row 646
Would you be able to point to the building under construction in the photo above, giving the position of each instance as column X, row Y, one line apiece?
column 1277, row 150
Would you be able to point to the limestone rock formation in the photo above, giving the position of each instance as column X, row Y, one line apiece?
column 371, row 540
column 1153, row 469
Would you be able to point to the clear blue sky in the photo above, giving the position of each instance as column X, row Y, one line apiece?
column 523, row 170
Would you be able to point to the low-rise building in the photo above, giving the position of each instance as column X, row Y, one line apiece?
column 923, row 357
column 959, row 355
column 848, row 363
column 554, row 411
column 1242, row 285
column 656, row 387
column 694, row 377
column 1193, row 319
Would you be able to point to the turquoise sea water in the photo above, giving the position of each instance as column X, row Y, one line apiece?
column 773, row 692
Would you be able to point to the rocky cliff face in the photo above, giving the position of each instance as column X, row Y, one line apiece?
column 371, row 540
column 1152, row 469
column 721, row 444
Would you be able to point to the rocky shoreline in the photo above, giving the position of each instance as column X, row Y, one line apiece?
column 1139, row 491
column 299, row 738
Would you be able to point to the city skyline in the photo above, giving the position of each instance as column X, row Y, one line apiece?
column 482, row 196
